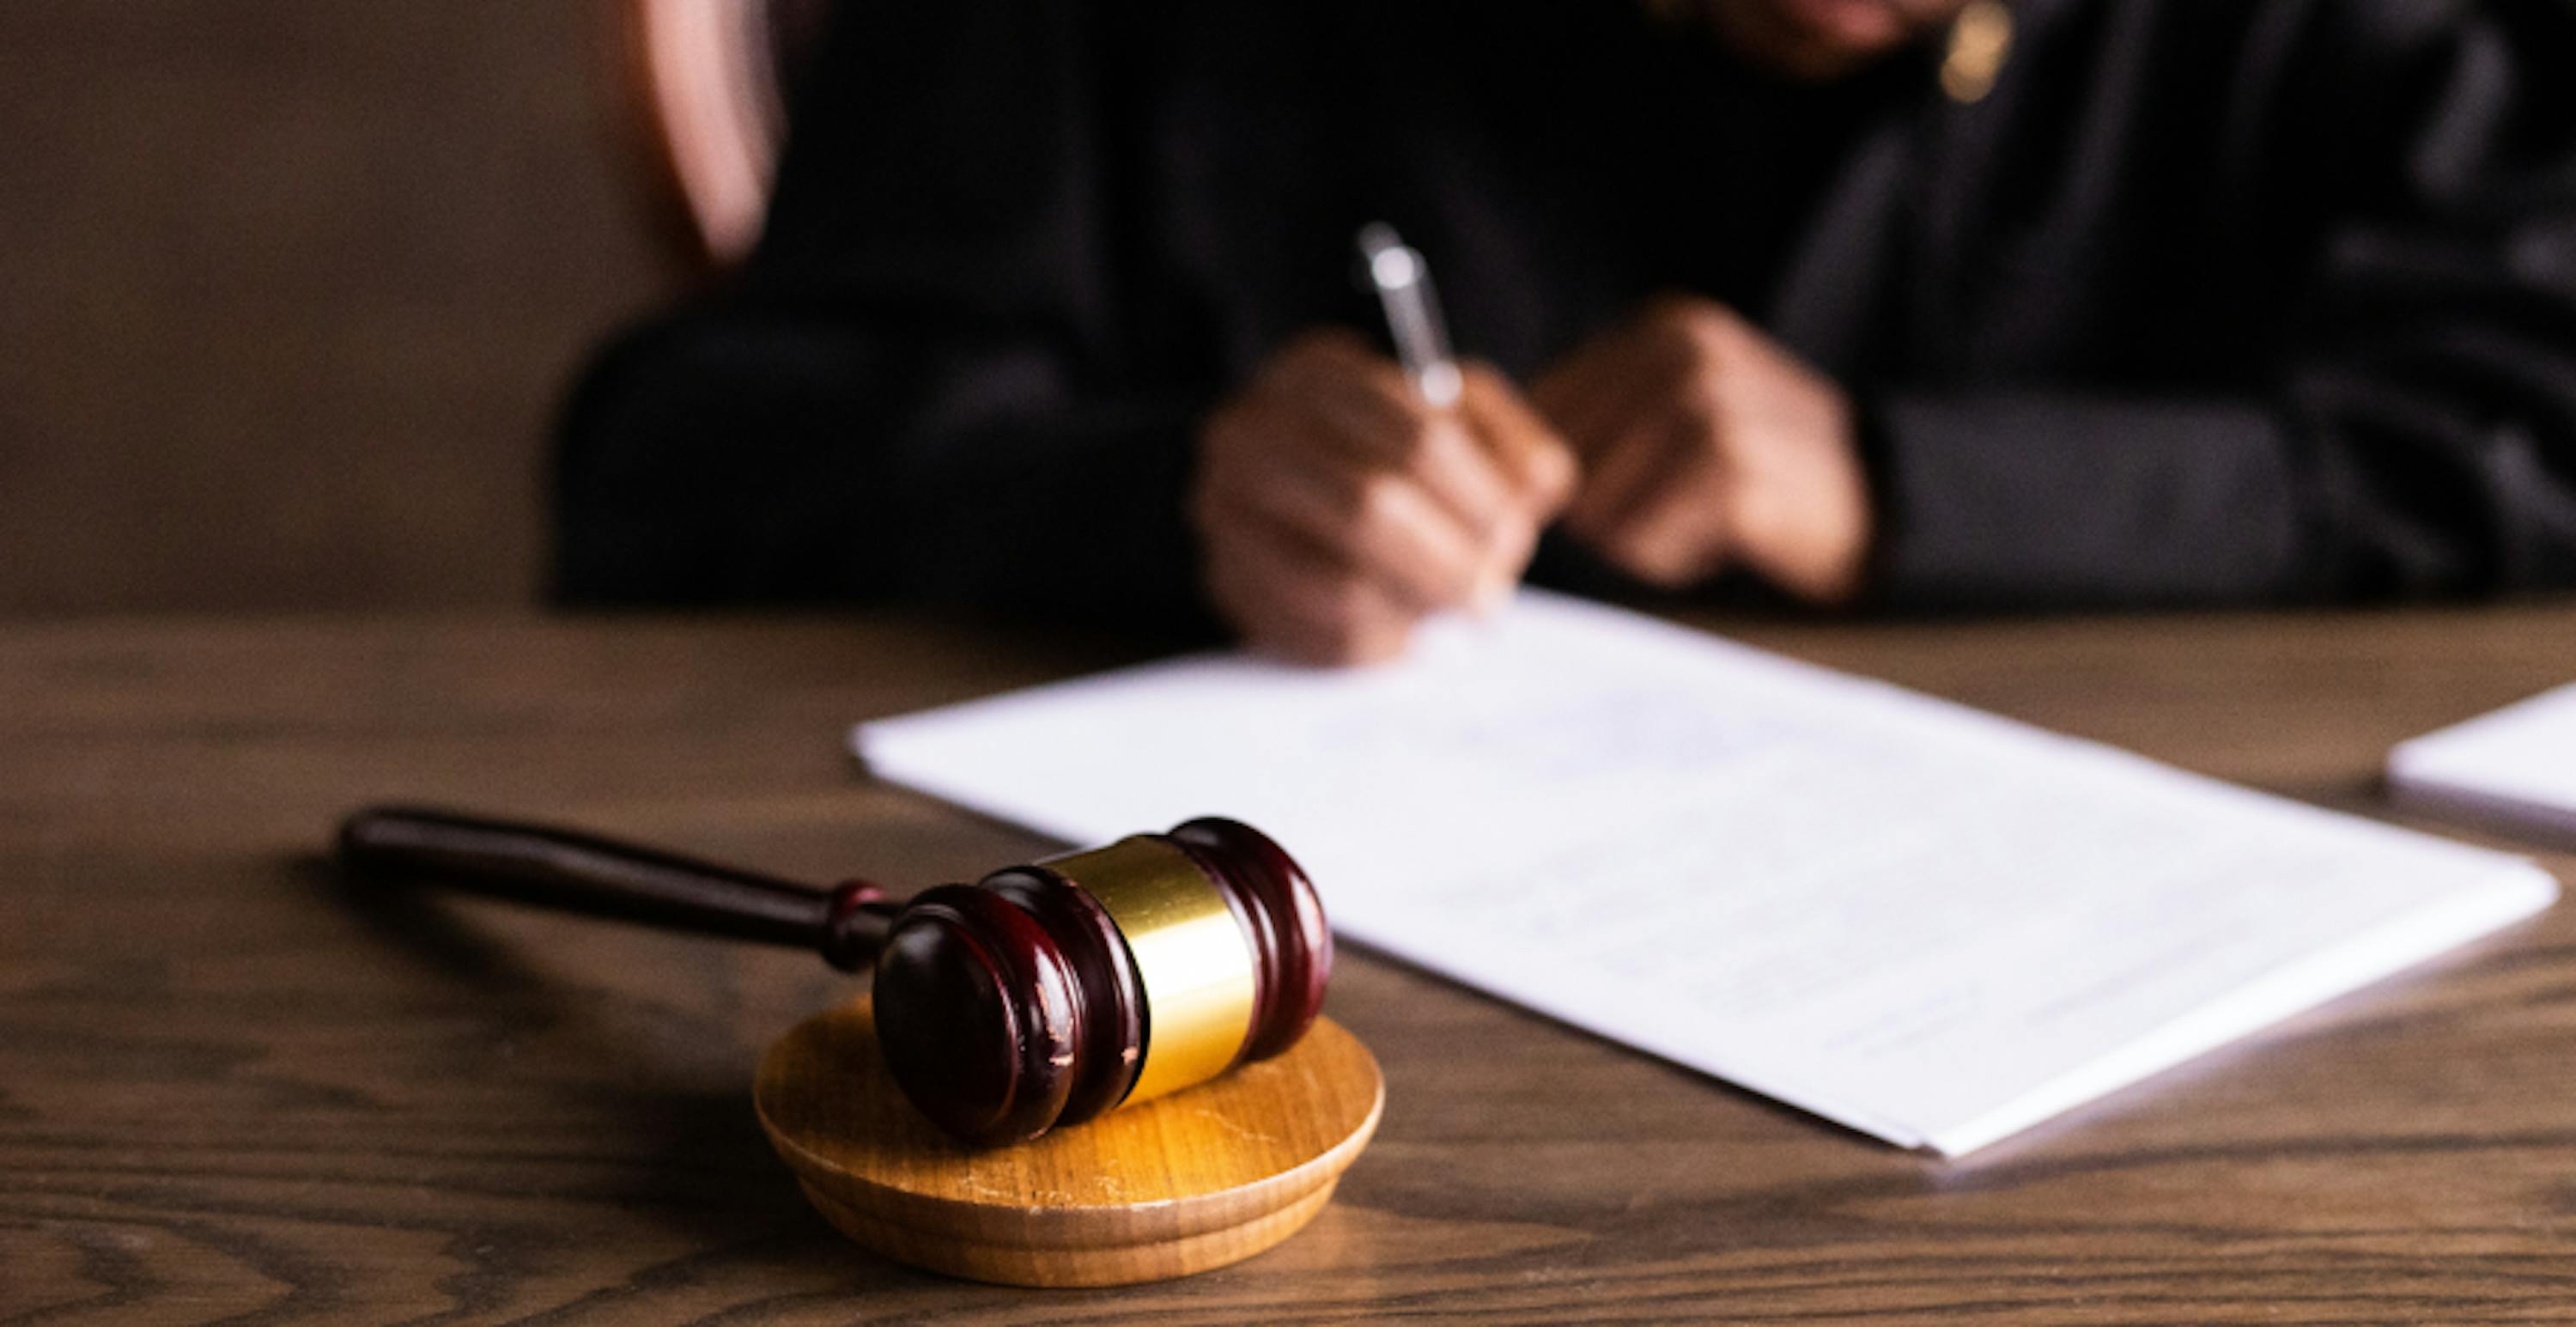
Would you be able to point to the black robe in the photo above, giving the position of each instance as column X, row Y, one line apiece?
column 2209, row 301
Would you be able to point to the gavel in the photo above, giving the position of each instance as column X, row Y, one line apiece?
column 1042, row 995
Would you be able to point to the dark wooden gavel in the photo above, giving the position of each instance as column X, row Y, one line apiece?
column 1041, row 995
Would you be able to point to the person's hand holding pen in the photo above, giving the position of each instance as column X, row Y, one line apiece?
column 1341, row 498
column 1337, row 509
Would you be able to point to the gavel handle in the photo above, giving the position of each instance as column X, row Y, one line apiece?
column 578, row 872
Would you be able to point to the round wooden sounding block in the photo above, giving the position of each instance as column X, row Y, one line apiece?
column 1180, row 1184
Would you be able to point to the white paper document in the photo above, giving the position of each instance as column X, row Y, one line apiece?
column 2517, row 764
column 1922, row 921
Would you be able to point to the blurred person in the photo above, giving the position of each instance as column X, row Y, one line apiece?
column 1877, row 304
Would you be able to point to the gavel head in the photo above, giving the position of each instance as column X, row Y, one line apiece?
column 1046, row 994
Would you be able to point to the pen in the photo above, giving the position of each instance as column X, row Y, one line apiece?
column 1404, row 290
column 1403, row 283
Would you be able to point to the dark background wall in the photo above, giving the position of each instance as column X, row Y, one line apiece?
column 289, row 290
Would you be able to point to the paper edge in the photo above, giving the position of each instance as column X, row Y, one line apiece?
column 2388, row 950
column 2377, row 954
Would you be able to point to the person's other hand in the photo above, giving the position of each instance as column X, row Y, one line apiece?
column 1336, row 509
column 1705, row 445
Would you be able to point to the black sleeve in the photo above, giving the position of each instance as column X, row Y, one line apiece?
column 2420, row 437
column 918, row 389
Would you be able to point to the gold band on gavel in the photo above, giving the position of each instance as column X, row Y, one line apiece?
column 1191, row 957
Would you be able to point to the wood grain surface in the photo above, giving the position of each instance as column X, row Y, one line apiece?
column 1163, row 1188
column 231, row 1091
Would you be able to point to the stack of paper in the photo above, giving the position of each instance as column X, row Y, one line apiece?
column 1922, row 921
column 2517, row 765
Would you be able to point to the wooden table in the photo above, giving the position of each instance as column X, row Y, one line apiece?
column 228, row 1087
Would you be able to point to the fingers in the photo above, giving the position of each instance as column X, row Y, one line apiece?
column 1606, row 388
column 1594, row 395
column 1626, row 474
column 1676, row 533
column 1531, row 453
column 1361, row 394
column 1365, row 409
column 1647, row 407
column 1390, row 531
column 1351, row 456
column 1292, row 601
column 1708, row 444
column 1655, row 507
column 1336, row 509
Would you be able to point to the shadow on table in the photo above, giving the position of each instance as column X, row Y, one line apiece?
column 695, row 1160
